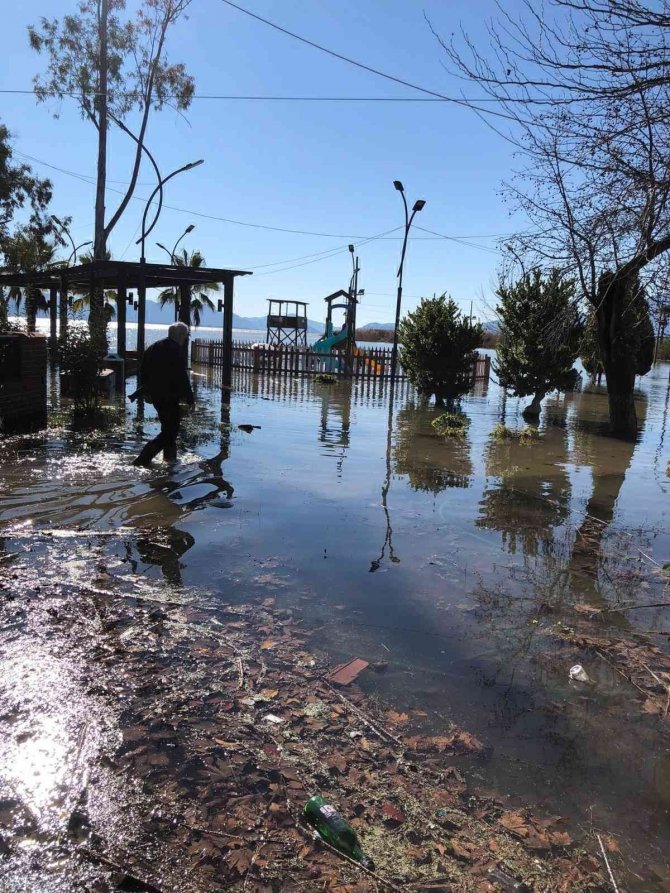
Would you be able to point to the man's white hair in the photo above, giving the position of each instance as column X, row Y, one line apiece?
column 178, row 332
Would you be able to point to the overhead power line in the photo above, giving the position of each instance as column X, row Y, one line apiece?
column 468, row 103
column 74, row 94
column 461, row 240
column 91, row 181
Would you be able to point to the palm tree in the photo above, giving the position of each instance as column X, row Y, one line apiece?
column 83, row 298
column 197, row 301
column 28, row 251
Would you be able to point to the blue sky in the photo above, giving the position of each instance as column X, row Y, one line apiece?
column 321, row 167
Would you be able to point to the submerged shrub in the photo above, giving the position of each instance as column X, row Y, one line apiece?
column 451, row 424
column 80, row 364
column 325, row 378
column 525, row 435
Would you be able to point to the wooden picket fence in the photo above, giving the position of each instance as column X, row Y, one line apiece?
column 366, row 364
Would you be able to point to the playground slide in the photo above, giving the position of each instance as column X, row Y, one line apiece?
column 328, row 343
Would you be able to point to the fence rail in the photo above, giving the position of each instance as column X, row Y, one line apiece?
column 367, row 364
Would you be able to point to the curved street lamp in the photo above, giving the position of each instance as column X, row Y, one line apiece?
column 171, row 254
column 418, row 206
column 159, row 188
column 189, row 229
column 75, row 248
column 142, row 290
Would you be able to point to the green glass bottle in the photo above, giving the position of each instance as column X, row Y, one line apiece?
column 335, row 830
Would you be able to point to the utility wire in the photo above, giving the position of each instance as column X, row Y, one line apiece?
column 333, row 253
column 74, row 94
column 389, row 77
column 91, row 182
column 460, row 240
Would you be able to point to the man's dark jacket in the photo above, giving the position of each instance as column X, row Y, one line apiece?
column 163, row 375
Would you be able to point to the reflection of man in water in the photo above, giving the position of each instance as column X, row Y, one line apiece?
column 164, row 382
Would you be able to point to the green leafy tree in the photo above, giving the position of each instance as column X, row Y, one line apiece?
column 188, row 303
column 589, row 348
column 20, row 192
column 113, row 65
column 539, row 336
column 438, row 349
column 635, row 338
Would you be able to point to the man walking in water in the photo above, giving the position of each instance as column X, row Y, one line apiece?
column 164, row 382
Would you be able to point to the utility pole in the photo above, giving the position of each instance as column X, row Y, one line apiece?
column 351, row 314
column 101, row 102
column 96, row 319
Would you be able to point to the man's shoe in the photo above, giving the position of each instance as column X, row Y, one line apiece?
column 142, row 463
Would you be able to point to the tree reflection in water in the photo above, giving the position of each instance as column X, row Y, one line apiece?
column 530, row 493
column 530, row 505
column 595, row 576
column 431, row 463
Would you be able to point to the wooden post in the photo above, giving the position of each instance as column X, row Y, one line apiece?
column 53, row 316
column 62, row 309
column 227, row 370
column 121, row 298
column 141, row 315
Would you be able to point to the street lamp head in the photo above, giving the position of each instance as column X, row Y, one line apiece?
column 190, row 228
column 193, row 164
column 56, row 220
column 418, row 205
column 351, row 249
column 398, row 185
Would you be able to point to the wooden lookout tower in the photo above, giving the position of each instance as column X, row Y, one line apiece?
column 287, row 323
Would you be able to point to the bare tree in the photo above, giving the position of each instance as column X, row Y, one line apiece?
column 112, row 66
column 587, row 95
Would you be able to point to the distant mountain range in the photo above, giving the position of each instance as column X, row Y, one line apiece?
column 491, row 326
column 383, row 326
column 158, row 315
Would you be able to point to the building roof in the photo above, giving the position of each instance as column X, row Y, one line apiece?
column 109, row 274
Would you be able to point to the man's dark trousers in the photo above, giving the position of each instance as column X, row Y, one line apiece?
column 169, row 417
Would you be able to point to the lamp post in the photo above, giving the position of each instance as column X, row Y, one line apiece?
column 189, row 229
column 418, row 206
column 142, row 290
column 75, row 248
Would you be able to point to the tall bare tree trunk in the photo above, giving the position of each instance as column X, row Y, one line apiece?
column 618, row 358
column 185, row 304
column 534, row 408
column 96, row 318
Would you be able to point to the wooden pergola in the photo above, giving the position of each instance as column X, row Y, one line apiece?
column 121, row 277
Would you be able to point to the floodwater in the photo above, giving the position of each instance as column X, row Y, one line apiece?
column 455, row 561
